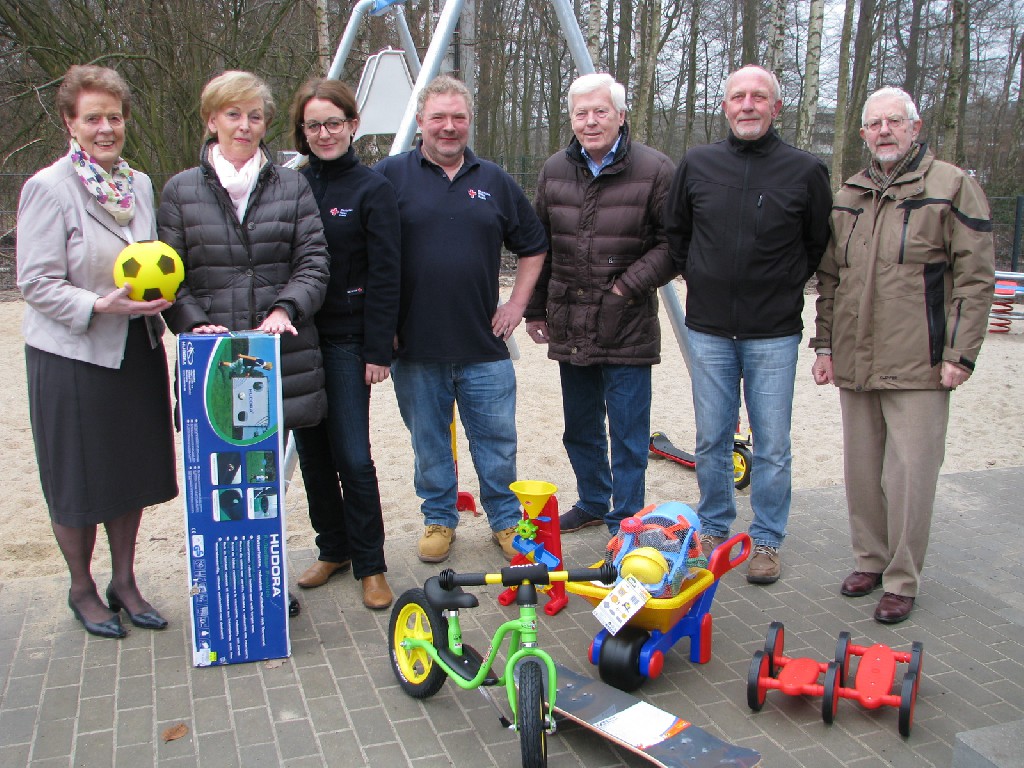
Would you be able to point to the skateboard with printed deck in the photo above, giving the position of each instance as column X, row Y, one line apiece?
column 658, row 736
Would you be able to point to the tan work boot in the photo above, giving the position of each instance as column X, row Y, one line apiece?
column 708, row 543
column 376, row 592
column 319, row 572
column 765, row 566
column 436, row 543
column 504, row 539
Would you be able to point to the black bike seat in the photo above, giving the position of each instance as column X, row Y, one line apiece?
column 448, row 599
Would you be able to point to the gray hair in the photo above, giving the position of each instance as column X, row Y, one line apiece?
column 585, row 84
column 891, row 93
column 442, row 85
column 772, row 80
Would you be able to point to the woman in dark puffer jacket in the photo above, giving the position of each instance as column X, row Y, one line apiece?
column 251, row 238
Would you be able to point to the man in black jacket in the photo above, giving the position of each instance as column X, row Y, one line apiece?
column 747, row 221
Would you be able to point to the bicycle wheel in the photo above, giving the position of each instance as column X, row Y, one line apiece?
column 533, row 737
column 742, row 459
column 413, row 618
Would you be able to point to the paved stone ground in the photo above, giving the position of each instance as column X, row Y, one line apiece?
column 70, row 699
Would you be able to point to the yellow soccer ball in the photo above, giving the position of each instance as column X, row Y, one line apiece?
column 152, row 268
column 647, row 564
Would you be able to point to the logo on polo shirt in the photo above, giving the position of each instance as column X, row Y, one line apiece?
column 479, row 193
column 341, row 211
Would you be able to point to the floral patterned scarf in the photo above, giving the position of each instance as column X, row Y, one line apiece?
column 114, row 190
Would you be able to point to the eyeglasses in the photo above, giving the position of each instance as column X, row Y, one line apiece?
column 895, row 123
column 333, row 126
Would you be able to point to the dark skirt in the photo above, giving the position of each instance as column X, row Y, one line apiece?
column 103, row 436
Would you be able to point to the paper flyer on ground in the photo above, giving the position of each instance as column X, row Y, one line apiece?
column 232, row 438
column 642, row 725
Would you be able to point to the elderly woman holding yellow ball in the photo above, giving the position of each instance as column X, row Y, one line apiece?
column 99, row 395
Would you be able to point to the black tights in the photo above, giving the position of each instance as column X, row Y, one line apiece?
column 77, row 545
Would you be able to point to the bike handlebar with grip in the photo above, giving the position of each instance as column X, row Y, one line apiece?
column 535, row 573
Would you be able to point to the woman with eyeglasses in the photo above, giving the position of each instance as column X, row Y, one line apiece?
column 249, row 234
column 357, row 325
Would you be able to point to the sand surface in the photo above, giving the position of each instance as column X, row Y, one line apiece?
column 985, row 431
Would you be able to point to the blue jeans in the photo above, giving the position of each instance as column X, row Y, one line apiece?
column 623, row 394
column 347, row 519
column 767, row 369
column 486, row 397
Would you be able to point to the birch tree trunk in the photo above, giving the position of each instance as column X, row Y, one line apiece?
column 812, row 66
column 323, row 37
column 775, row 54
column 594, row 32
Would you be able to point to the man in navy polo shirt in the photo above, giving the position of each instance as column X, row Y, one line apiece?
column 457, row 211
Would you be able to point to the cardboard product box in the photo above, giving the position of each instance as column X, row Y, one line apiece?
column 229, row 389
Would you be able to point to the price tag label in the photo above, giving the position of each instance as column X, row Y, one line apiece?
column 621, row 603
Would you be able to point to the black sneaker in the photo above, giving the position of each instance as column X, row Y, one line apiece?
column 294, row 609
column 576, row 519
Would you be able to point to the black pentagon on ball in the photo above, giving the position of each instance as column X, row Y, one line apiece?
column 131, row 267
column 151, row 294
column 165, row 264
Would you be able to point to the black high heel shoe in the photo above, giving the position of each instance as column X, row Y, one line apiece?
column 151, row 619
column 110, row 628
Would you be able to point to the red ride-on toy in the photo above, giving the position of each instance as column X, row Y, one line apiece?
column 872, row 686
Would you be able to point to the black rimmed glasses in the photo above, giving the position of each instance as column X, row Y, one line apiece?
column 333, row 126
column 895, row 122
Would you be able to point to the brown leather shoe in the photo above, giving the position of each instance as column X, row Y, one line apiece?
column 860, row 583
column 376, row 592
column 320, row 572
column 765, row 566
column 892, row 609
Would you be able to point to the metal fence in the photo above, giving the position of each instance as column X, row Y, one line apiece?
column 1007, row 216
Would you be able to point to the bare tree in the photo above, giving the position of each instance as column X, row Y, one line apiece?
column 650, row 47
column 751, row 21
column 843, row 106
column 913, row 66
column 950, row 122
column 863, row 47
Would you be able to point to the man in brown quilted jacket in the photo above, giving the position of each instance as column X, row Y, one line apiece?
column 601, row 201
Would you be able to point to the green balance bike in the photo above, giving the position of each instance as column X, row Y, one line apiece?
column 425, row 639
